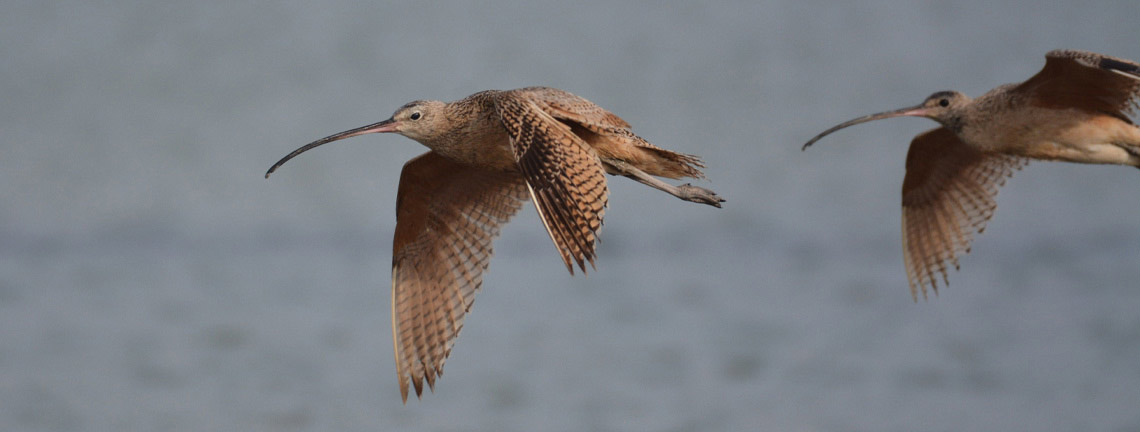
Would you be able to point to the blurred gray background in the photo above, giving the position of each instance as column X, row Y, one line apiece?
column 151, row 279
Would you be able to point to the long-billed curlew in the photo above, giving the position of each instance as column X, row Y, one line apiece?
column 1076, row 109
column 489, row 152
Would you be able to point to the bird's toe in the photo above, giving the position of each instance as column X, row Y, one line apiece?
column 701, row 195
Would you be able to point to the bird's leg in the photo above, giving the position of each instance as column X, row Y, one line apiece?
column 686, row 191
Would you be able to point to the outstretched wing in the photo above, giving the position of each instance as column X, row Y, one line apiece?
column 447, row 215
column 948, row 195
column 1084, row 80
column 565, row 176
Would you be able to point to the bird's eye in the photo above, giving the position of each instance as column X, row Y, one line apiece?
column 944, row 103
column 415, row 116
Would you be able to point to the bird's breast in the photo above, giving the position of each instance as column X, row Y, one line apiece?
column 484, row 147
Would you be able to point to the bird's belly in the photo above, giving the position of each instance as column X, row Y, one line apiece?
column 1091, row 153
column 1093, row 140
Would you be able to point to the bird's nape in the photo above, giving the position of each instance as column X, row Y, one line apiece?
column 384, row 126
column 914, row 111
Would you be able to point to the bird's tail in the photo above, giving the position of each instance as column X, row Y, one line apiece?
column 673, row 165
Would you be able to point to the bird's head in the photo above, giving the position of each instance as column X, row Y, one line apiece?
column 940, row 105
column 419, row 120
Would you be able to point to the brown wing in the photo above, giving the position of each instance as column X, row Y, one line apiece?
column 1084, row 80
column 447, row 215
column 948, row 194
column 564, row 174
column 565, row 106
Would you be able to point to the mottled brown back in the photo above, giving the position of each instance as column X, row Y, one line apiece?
column 563, row 101
column 610, row 135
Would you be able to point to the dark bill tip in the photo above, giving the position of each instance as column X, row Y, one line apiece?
column 384, row 126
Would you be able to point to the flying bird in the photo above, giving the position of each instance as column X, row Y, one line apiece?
column 489, row 153
column 1076, row 109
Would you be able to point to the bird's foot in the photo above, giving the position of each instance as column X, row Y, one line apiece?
column 699, row 194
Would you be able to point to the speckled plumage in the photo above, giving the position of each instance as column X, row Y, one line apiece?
column 1076, row 109
column 489, row 153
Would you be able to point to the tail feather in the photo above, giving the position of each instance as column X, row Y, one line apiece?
column 674, row 165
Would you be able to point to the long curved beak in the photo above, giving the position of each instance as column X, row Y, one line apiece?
column 384, row 126
column 914, row 111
